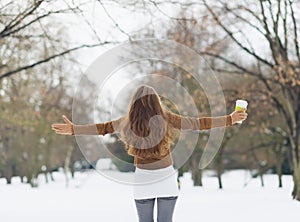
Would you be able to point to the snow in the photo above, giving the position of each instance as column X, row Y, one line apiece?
column 105, row 164
column 92, row 197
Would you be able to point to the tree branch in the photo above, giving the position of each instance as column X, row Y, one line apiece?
column 170, row 17
column 257, row 75
column 245, row 20
column 26, row 67
column 268, row 33
column 250, row 12
column 295, row 31
column 85, row 20
column 284, row 19
column 115, row 23
column 13, row 31
column 230, row 34
column 231, row 63
column 20, row 17
column 258, row 147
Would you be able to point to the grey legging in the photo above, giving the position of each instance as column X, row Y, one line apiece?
column 165, row 209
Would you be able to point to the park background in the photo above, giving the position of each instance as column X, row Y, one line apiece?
column 252, row 46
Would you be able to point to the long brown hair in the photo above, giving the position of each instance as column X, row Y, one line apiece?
column 144, row 132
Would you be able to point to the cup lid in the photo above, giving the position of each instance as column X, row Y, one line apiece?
column 242, row 103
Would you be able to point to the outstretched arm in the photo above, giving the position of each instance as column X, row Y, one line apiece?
column 68, row 128
column 203, row 123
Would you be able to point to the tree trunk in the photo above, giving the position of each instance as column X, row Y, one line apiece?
column 261, row 176
column 279, row 179
column 46, row 176
column 51, row 176
column 296, row 167
column 8, row 180
column 219, row 163
column 197, row 176
column 295, row 191
column 298, row 193
column 279, row 161
column 296, row 178
column 8, row 173
column 33, row 181
column 196, row 172
column 220, row 180
column 297, row 175
column 29, row 178
column 72, row 171
column 67, row 164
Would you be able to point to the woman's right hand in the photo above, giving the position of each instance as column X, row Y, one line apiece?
column 238, row 116
column 64, row 129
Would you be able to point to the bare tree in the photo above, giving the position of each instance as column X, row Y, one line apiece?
column 278, row 70
column 17, row 22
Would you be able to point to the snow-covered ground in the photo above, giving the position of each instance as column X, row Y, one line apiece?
column 92, row 197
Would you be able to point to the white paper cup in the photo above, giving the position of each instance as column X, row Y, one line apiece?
column 240, row 104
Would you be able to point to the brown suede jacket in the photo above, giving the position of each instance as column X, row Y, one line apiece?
column 174, row 120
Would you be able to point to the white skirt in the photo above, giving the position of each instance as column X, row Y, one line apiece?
column 155, row 183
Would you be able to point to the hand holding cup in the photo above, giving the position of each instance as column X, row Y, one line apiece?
column 239, row 115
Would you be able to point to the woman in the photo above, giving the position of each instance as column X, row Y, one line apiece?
column 146, row 132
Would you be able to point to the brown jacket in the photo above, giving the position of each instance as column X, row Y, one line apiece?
column 174, row 120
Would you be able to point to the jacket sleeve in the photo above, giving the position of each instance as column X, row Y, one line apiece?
column 98, row 128
column 194, row 123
